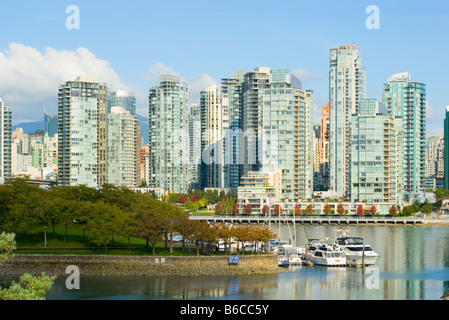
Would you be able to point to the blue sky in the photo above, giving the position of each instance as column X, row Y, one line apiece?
column 127, row 44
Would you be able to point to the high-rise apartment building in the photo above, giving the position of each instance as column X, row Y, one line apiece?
column 435, row 157
column 124, row 99
column 195, row 145
column 82, row 133
column 231, row 101
column 324, row 147
column 251, row 117
column 446, row 149
column 407, row 99
column 168, row 134
column 50, row 124
column 346, row 89
column 5, row 140
column 376, row 154
column 211, row 172
column 286, row 134
column 123, row 148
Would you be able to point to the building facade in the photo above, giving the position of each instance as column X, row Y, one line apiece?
column 376, row 155
column 5, row 140
column 124, row 99
column 82, row 133
column 168, row 135
column 211, row 113
column 287, row 135
column 123, row 148
column 407, row 99
column 346, row 89
column 50, row 124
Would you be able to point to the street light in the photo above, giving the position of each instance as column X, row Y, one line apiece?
column 45, row 236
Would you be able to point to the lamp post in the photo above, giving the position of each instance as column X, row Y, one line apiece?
column 45, row 236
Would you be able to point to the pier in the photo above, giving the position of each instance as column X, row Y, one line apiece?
column 310, row 220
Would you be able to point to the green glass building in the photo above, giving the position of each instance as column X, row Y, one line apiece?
column 169, row 135
column 376, row 153
column 407, row 99
column 446, row 149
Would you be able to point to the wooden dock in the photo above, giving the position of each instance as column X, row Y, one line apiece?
column 311, row 220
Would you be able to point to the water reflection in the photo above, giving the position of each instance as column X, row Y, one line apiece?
column 413, row 265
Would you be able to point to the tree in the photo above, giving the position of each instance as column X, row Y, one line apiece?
column 393, row 210
column 265, row 209
column 218, row 209
column 151, row 224
column 373, row 209
column 29, row 287
column 327, row 209
column 297, row 210
column 309, row 209
column 183, row 199
column 248, row 209
column 427, row 208
column 235, row 209
column 278, row 209
column 103, row 223
column 360, row 211
column 340, row 209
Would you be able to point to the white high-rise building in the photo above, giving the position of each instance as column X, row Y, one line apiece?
column 123, row 148
column 5, row 140
column 82, row 133
column 346, row 89
column 169, row 135
column 211, row 173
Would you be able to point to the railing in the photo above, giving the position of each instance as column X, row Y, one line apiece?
column 314, row 220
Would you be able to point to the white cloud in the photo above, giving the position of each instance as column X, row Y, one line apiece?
column 305, row 75
column 196, row 85
column 30, row 79
column 157, row 70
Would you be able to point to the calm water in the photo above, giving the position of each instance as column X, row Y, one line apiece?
column 414, row 265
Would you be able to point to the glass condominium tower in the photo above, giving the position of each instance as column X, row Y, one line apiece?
column 123, row 148
column 5, row 140
column 407, row 99
column 346, row 89
column 231, row 101
column 82, row 133
column 287, row 136
column 446, row 149
column 169, row 135
column 376, row 152
column 211, row 173
column 124, row 99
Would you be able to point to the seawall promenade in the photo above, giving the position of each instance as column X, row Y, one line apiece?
column 140, row 265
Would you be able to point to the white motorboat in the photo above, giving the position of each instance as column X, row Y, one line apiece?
column 356, row 251
column 283, row 261
column 324, row 254
column 291, row 253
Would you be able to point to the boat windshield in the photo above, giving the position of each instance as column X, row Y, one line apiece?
column 350, row 241
column 357, row 249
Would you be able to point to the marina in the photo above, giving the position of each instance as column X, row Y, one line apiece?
column 410, row 267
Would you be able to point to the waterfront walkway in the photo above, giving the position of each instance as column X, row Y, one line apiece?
column 311, row 220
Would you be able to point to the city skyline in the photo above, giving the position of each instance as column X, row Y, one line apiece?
column 132, row 54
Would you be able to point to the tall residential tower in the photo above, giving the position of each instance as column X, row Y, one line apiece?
column 168, row 135
column 346, row 89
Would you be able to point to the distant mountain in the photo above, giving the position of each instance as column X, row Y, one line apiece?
column 31, row 127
